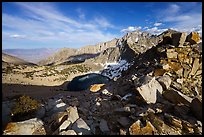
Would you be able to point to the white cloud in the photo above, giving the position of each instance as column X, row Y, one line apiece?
column 47, row 24
column 17, row 36
column 103, row 22
column 131, row 28
column 173, row 8
column 155, row 30
column 180, row 17
column 157, row 24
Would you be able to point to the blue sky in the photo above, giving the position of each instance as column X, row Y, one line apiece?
column 76, row 24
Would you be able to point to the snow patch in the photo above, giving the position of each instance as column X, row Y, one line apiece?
column 114, row 69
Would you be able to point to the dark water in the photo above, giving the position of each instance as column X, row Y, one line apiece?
column 83, row 82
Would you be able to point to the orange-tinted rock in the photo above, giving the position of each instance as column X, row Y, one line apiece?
column 175, row 66
column 179, row 72
column 172, row 60
column 96, row 87
column 193, row 37
column 162, row 61
column 135, row 129
column 171, row 54
column 187, row 60
column 148, row 129
column 182, row 57
column 159, row 72
column 187, row 127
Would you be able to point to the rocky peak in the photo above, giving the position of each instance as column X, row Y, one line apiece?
column 98, row 47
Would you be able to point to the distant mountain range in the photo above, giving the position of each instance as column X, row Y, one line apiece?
column 31, row 55
column 124, row 48
column 8, row 59
column 110, row 51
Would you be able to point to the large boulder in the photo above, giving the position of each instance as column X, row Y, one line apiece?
column 178, row 39
column 56, row 120
column 196, row 108
column 65, row 125
column 149, row 89
column 81, row 128
column 177, row 97
column 165, row 81
column 193, row 38
column 29, row 127
column 136, row 129
column 72, row 113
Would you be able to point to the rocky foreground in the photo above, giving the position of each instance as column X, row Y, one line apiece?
column 159, row 94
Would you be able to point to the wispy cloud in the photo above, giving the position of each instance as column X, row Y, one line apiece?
column 182, row 16
column 131, row 28
column 152, row 30
column 103, row 22
column 156, row 30
column 45, row 23
column 178, row 16
column 17, row 36
column 157, row 24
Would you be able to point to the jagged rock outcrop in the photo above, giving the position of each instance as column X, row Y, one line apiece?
column 93, row 49
column 109, row 55
column 129, row 46
column 193, row 38
column 133, row 43
column 149, row 89
column 64, row 54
